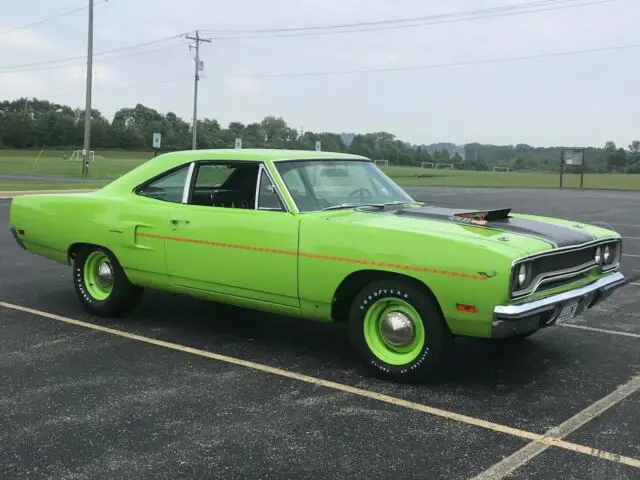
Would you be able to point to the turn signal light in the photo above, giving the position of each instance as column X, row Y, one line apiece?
column 464, row 308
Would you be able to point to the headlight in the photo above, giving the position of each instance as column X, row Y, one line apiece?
column 607, row 254
column 598, row 256
column 523, row 274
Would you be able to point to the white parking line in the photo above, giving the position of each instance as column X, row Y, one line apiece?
column 630, row 255
column 602, row 330
column 526, row 453
column 547, row 439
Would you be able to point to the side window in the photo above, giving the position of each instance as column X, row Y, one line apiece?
column 225, row 184
column 267, row 196
column 168, row 188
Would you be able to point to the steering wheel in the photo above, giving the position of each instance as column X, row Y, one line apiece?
column 361, row 191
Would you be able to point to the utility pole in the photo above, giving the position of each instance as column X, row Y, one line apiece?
column 87, row 112
column 196, row 78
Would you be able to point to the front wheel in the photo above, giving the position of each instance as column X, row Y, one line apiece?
column 101, row 283
column 398, row 330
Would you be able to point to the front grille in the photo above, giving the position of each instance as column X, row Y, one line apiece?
column 563, row 261
column 555, row 269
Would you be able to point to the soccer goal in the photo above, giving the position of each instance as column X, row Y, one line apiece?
column 500, row 169
column 447, row 166
column 77, row 156
column 382, row 163
column 427, row 165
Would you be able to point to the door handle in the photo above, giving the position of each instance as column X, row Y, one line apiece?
column 174, row 222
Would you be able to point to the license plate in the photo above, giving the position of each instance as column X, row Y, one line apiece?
column 568, row 312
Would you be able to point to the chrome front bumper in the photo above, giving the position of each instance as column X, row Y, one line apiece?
column 510, row 320
column 16, row 236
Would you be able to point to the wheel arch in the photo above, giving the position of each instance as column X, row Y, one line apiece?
column 357, row 280
column 74, row 247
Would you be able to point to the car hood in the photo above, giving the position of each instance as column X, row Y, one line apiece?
column 520, row 233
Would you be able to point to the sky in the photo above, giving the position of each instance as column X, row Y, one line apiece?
column 581, row 99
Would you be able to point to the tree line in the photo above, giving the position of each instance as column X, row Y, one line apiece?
column 34, row 123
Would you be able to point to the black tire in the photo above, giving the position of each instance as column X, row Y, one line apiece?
column 123, row 296
column 426, row 356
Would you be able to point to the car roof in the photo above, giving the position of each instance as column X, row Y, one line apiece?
column 170, row 160
column 259, row 154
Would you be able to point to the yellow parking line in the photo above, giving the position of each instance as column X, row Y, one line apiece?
column 528, row 452
column 602, row 330
column 496, row 427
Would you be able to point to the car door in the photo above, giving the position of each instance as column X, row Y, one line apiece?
column 234, row 236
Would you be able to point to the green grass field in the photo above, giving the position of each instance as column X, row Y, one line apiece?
column 110, row 164
column 409, row 176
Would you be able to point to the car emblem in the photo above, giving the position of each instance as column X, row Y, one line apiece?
column 503, row 238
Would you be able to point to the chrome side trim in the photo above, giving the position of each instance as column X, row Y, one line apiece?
column 187, row 183
column 255, row 203
column 514, row 312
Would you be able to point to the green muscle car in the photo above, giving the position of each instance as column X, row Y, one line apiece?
column 322, row 236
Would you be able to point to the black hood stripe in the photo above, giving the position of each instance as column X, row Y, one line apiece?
column 556, row 235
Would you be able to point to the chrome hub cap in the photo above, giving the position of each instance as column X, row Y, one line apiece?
column 396, row 329
column 105, row 275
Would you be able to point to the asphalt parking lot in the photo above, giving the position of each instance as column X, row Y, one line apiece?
column 79, row 401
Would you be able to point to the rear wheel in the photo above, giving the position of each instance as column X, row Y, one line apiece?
column 398, row 330
column 101, row 283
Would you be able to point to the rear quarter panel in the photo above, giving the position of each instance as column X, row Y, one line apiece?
column 331, row 250
column 53, row 223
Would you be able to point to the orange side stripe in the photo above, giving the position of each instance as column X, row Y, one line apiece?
column 374, row 263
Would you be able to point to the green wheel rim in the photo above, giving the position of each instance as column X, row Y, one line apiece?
column 389, row 352
column 98, row 275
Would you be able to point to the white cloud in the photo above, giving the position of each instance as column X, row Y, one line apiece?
column 509, row 102
column 243, row 85
column 21, row 85
column 25, row 40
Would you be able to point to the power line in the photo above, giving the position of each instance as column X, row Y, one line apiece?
column 76, row 64
column 196, row 78
column 381, row 25
column 402, row 23
column 440, row 65
column 48, row 19
column 393, row 21
column 97, row 54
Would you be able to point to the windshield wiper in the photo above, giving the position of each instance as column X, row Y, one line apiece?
column 354, row 205
column 357, row 205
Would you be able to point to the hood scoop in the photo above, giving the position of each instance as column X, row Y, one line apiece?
column 474, row 217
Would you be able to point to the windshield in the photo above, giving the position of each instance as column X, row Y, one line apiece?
column 321, row 184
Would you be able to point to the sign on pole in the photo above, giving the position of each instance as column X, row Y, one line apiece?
column 318, row 145
column 157, row 140
column 572, row 156
column 238, row 143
